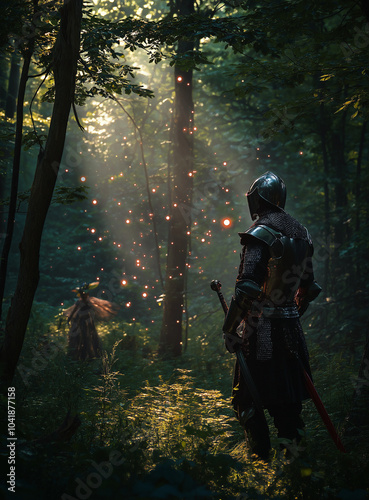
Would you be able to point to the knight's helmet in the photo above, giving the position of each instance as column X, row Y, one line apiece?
column 267, row 191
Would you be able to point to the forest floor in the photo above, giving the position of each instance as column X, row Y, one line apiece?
column 154, row 428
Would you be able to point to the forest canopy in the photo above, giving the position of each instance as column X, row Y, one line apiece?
column 130, row 134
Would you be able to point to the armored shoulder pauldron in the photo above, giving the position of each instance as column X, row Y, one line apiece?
column 286, row 267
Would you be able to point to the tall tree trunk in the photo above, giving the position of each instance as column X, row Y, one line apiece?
column 27, row 55
column 327, row 217
column 13, row 82
column 181, row 199
column 66, row 53
column 358, row 200
column 358, row 417
column 10, row 105
column 4, row 78
column 340, row 190
column 341, row 228
column 365, row 8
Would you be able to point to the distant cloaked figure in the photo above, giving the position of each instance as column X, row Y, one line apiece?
column 83, row 340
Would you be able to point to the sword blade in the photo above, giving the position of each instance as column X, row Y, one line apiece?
column 322, row 411
column 216, row 285
column 245, row 372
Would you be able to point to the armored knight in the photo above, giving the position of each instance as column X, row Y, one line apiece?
column 274, row 287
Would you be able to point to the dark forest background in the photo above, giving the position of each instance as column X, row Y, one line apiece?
column 174, row 109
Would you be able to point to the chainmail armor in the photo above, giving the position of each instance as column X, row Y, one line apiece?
column 285, row 223
column 254, row 266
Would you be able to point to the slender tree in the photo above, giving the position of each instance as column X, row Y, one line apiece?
column 28, row 50
column 64, row 66
column 13, row 82
column 181, row 198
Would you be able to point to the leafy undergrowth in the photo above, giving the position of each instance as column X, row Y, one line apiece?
column 153, row 428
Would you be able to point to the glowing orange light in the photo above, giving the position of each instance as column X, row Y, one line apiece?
column 226, row 222
column 179, row 78
column 144, row 295
column 100, row 238
column 167, row 217
column 123, row 282
column 94, row 202
column 128, row 221
column 128, row 304
column 79, row 248
column 301, row 152
column 93, row 230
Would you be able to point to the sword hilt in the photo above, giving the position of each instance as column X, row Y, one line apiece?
column 216, row 286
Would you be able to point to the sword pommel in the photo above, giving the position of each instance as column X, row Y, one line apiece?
column 216, row 285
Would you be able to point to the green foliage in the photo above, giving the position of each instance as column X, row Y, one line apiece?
column 266, row 104
column 162, row 429
column 67, row 195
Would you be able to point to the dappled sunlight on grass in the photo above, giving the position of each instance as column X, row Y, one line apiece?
column 171, row 420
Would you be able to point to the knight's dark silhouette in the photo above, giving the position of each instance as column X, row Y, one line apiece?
column 274, row 287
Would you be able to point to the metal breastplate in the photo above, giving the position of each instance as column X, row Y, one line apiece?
column 286, row 267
